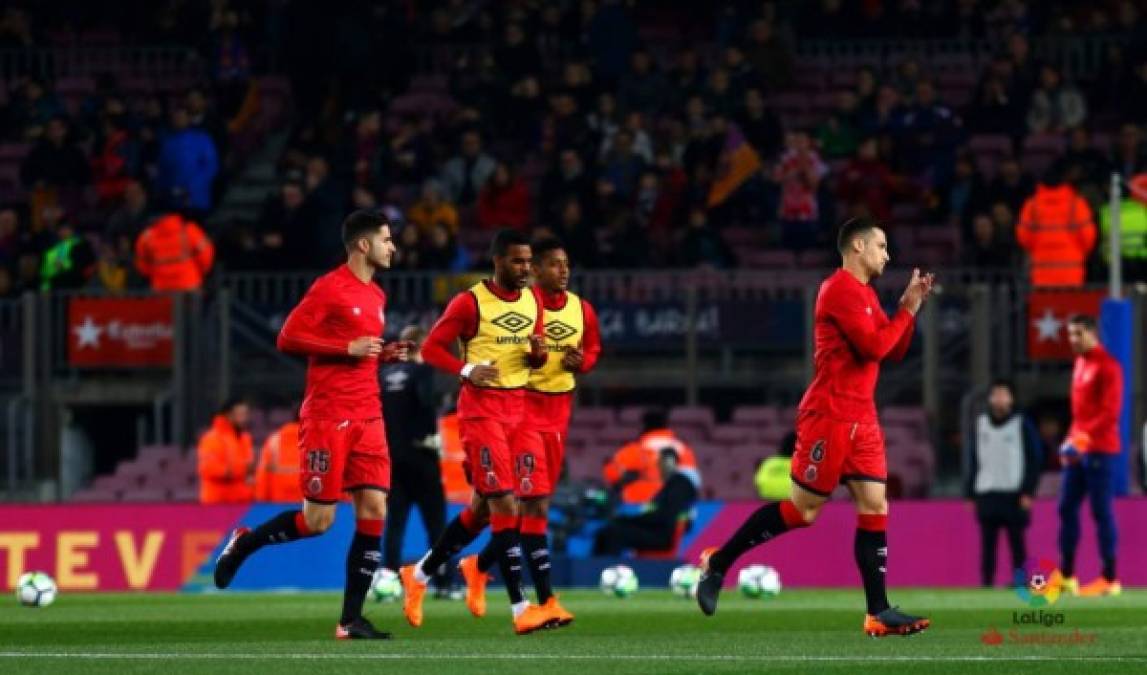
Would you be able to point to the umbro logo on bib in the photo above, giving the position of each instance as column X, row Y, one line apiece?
column 558, row 331
column 512, row 322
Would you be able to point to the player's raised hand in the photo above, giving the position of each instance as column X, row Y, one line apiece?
column 573, row 359
column 398, row 351
column 365, row 346
column 914, row 293
column 483, row 375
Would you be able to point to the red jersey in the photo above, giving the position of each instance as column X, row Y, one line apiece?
column 852, row 335
column 337, row 309
column 550, row 412
column 1096, row 400
column 460, row 321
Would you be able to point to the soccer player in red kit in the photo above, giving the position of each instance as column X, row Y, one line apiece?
column 1089, row 455
column 499, row 324
column 342, row 444
column 838, row 436
column 574, row 344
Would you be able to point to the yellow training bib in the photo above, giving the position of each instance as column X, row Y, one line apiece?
column 563, row 328
column 503, row 337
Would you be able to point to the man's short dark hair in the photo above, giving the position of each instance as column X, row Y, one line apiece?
column 542, row 246
column 1005, row 383
column 851, row 229
column 504, row 239
column 1085, row 321
column 669, row 451
column 362, row 223
column 655, row 418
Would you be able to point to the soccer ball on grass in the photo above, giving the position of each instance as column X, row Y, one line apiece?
column 619, row 581
column 683, row 581
column 35, row 589
column 386, row 586
column 759, row 581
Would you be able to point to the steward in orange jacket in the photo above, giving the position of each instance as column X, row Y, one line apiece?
column 634, row 467
column 277, row 476
column 226, row 457
column 1058, row 232
column 174, row 254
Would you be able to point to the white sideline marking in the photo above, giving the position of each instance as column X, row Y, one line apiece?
column 193, row 656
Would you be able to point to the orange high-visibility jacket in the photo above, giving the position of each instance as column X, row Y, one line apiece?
column 454, row 480
column 174, row 254
column 225, row 458
column 277, row 476
column 1058, row 232
column 641, row 456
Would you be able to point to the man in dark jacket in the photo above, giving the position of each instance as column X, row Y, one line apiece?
column 654, row 529
column 1003, row 460
column 411, row 427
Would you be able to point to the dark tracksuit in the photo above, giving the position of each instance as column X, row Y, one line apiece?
column 653, row 529
column 416, row 479
column 1002, row 462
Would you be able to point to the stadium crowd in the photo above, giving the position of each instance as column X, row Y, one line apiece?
column 640, row 142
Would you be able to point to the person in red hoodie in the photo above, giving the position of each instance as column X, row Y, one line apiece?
column 504, row 201
column 1089, row 454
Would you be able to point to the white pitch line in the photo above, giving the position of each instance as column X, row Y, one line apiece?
column 191, row 656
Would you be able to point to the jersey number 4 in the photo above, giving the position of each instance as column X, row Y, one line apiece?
column 318, row 461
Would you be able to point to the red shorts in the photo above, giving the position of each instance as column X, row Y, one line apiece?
column 830, row 452
column 337, row 456
column 537, row 462
column 489, row 462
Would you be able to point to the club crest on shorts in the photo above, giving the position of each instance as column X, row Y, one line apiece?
column 491, row 480
column 315, row 485
column 817, row 452
column 527, row 486
column 810, row 474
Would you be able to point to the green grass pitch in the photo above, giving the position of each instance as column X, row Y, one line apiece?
column 802, row 631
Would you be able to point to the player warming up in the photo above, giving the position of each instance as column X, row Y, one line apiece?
column 839, row 439
column 342, row 443
column 573, row 342
column 1089, row 455
column 499, row 323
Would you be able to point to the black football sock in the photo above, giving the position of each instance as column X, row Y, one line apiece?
column 457, row 535
column 285, row 527
column 362, row 560
column 537, row 552
column 505, row 541
column 871, row 551
column 770, row 521
column 490, row 555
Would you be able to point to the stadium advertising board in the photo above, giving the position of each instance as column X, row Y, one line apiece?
column 113, row 332
column 124, row 547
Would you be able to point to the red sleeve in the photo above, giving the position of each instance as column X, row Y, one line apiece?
column 302, row 332
column 591, row 340
column 849, row 312
column 905, row 342
column 1109, row 409
column 458, row 322
column 539, row 329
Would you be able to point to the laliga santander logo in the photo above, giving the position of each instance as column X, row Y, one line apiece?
column 1039, row 584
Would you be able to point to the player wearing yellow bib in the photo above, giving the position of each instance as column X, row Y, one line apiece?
column 573, row 342
column 499, row 324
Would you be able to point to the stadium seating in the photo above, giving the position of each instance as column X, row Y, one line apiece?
column 728, row 453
